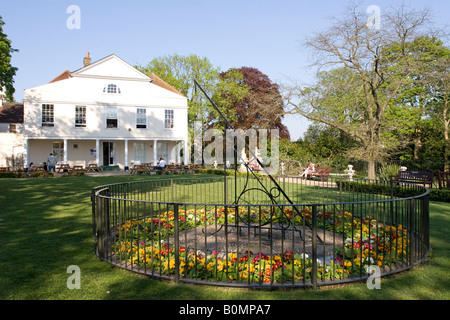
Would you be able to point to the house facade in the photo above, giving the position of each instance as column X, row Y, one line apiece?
column 11, row 135
column 108, row 113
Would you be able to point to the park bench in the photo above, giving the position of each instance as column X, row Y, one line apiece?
column 418, row 177
column 444, row 180
column 321, row 172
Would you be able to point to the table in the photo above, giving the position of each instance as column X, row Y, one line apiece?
column 93, row 166
column 63, row 167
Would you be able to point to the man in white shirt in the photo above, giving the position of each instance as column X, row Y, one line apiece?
column 161, row 164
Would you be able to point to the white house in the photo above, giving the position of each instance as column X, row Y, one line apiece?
column 108, row 113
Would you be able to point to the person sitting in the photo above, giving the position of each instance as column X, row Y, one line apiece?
column 308, row 171
column 161, row 165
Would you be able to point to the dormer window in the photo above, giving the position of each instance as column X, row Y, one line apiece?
column 111, row 89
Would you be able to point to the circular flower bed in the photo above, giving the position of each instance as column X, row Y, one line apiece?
column 145, row 243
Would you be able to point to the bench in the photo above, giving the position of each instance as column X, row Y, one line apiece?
column 444, row 180
column 418, row 177
column 321, row 172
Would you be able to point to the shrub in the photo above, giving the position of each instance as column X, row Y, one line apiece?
column 7, row 175
column 386, row 171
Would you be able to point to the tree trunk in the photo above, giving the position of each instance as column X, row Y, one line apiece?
column 447, row 151
column 371, row 169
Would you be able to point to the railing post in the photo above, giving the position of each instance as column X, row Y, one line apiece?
column 176, row 240
column 411, row 227
column 314, row 247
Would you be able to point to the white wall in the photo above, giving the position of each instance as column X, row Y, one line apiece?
column 10, row 143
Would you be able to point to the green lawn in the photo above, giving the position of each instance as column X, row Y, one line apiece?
column 46, row 226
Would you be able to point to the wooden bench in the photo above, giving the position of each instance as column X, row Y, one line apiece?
column 321, row 172
column 444, row 180
column 418, row 177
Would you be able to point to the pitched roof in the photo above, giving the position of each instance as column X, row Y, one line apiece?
column 161, row 83
column 11, row 113
column 154, row 78
column 62, row 76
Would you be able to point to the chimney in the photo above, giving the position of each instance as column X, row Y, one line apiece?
column 87, row 60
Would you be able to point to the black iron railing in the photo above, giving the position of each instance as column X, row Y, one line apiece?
column 337, row 231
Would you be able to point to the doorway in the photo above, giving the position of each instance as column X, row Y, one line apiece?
column 108, row 153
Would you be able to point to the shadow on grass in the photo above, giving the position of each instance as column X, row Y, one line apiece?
column 46, row 226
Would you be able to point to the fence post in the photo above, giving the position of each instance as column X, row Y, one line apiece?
column 314, row 247
column 176, row 240
column 411, row 227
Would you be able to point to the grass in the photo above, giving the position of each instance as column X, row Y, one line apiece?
column 46, row 226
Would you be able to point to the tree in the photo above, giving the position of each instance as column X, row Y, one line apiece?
column 409, row 112
column 7, row 71
column 440, row 110
column 262, row 105
column 181, row 71
column 359, row 54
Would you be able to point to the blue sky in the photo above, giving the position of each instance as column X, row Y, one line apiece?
column 256, row 33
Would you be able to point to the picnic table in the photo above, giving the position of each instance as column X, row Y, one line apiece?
column 63, row 167
column 78, row 168
column 93, row 167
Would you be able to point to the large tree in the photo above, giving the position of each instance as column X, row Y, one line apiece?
column 7, row 71
column 440, row 110
column 262, row 105
column 181, row 71
column 409, row 112
column 361, row 54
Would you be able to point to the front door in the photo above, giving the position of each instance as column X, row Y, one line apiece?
column 108, row 153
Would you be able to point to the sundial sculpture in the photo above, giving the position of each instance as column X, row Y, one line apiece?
column 275, row 191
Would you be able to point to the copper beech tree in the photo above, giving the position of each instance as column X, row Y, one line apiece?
column 262, row 105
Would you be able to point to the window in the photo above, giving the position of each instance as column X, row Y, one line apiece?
column 168, row 119
column 80, row 117
column 111, row 89
column 58, row 150
column 111, row 117
column 141, row 118
column 47, row 115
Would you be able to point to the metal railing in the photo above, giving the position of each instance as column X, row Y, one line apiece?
column 235, row 231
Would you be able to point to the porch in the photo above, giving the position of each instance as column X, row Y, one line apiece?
column 108, row 153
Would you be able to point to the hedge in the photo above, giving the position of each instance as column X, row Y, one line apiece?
column 397, row 191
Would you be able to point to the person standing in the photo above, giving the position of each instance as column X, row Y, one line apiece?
column 51, row 162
